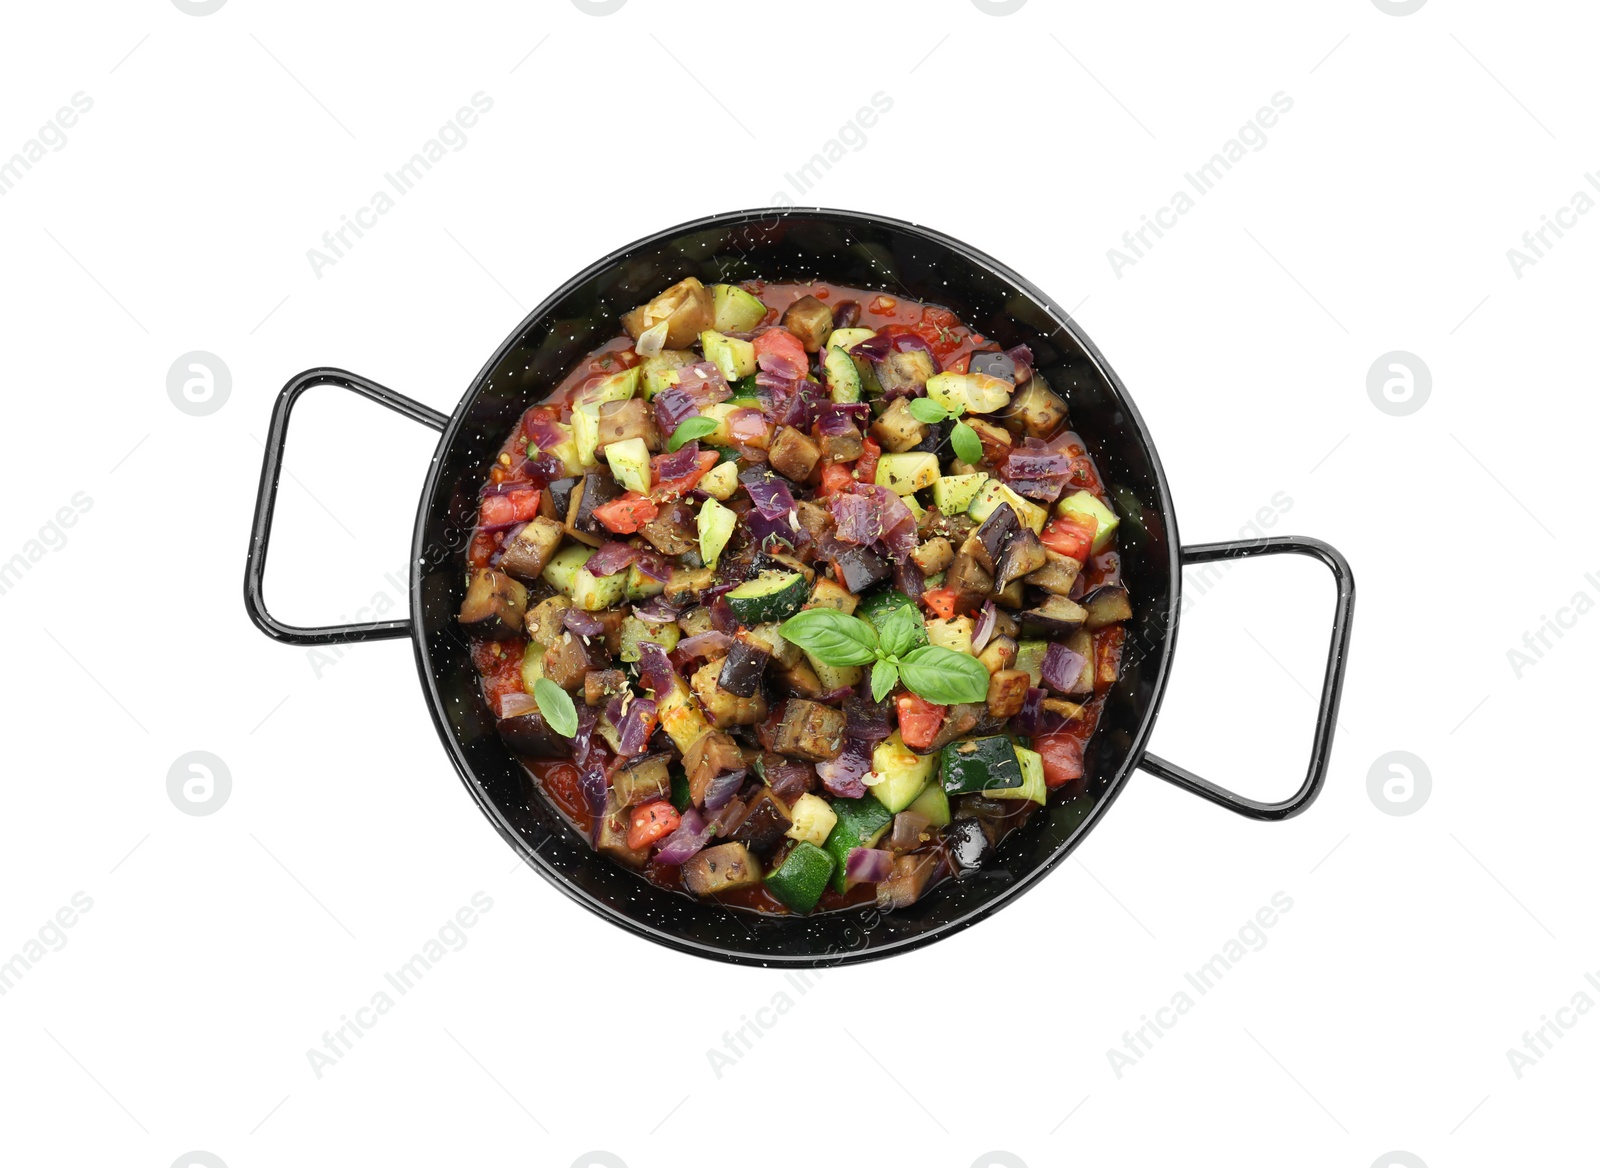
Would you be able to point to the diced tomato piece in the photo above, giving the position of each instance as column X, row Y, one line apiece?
column 867, row 464
column 1108, row 644
column 499, row 663
column 1071, row 535
column 671, row 489
column 651, row 822
column 515, row 506
column 836, row 478
column 919, row 720
column 960, row 364
column 1062, row 755
column 783, row 343
column 942, row 329
column 482, row 547
column 1081, row 475
column 627, row 514
column 941, row 602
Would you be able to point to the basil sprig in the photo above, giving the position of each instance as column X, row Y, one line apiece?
column 932, row 672
column 555, row 704
column 689, row 429
column 963, row 438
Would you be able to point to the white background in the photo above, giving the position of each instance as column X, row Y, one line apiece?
column 177, row 217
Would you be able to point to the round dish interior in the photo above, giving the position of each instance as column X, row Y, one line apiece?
column 797, row 597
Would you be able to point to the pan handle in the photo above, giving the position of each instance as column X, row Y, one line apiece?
column 1332, row 678
column 267, row 494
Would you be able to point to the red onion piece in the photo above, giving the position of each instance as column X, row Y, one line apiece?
column 746, row 424
column 611, row 558
column 768, row 492
column 685, row 460
column 656, row 671
column 1034, row 719
column 638, row 722
column 842, row 775
column 867, row 866
column 544, row 433
column 856, row 519
column 654, row 565
column 514, row 705
column 704, row 644
column 585, row 624
column 657, row 611
column 906, row 834
column 984, row 629
column 673, row 407
column 790, row 780
column 723, row 788
column 1061, row 667
column 691, row 835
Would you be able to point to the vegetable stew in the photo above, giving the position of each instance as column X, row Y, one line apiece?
column 797, row 597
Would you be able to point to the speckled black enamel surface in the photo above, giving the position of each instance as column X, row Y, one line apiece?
column 849, row 248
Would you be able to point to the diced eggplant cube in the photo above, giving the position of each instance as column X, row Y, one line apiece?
column 530, row 734
column 1008, row 690
column 527, row 552
column 719, row 869
column 568, row 660
column 600, row 686
column 793, row 455
column 1035, row 410
column 711, row 754
column 1106, row 605
column 743, row 668
column 811, row 320
column 725, row 709
column 1054, row 616
column 828, row 594
column 545, row 623
column 611, row 835
column 1058, row 575
column 810, row 730
column 494, row 606
column 993, row 365
column 994, row 536
column 764, row 823
column 904, row 372
column 673, row 532
column 909, row 879
column 846, row 447
column 1000, row 653
column 642, row 780
column 859, row 568
column 622, row 420
column 1023, row 555
column 598, row 489
column 967, row 578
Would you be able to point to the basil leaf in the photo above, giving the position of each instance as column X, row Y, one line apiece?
column 945, row 677
column 556, row 706
column 885, row 676
column 832, row 637
column 964, row 441
column 928, row 411
column 897, row 632
column 689, row 429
